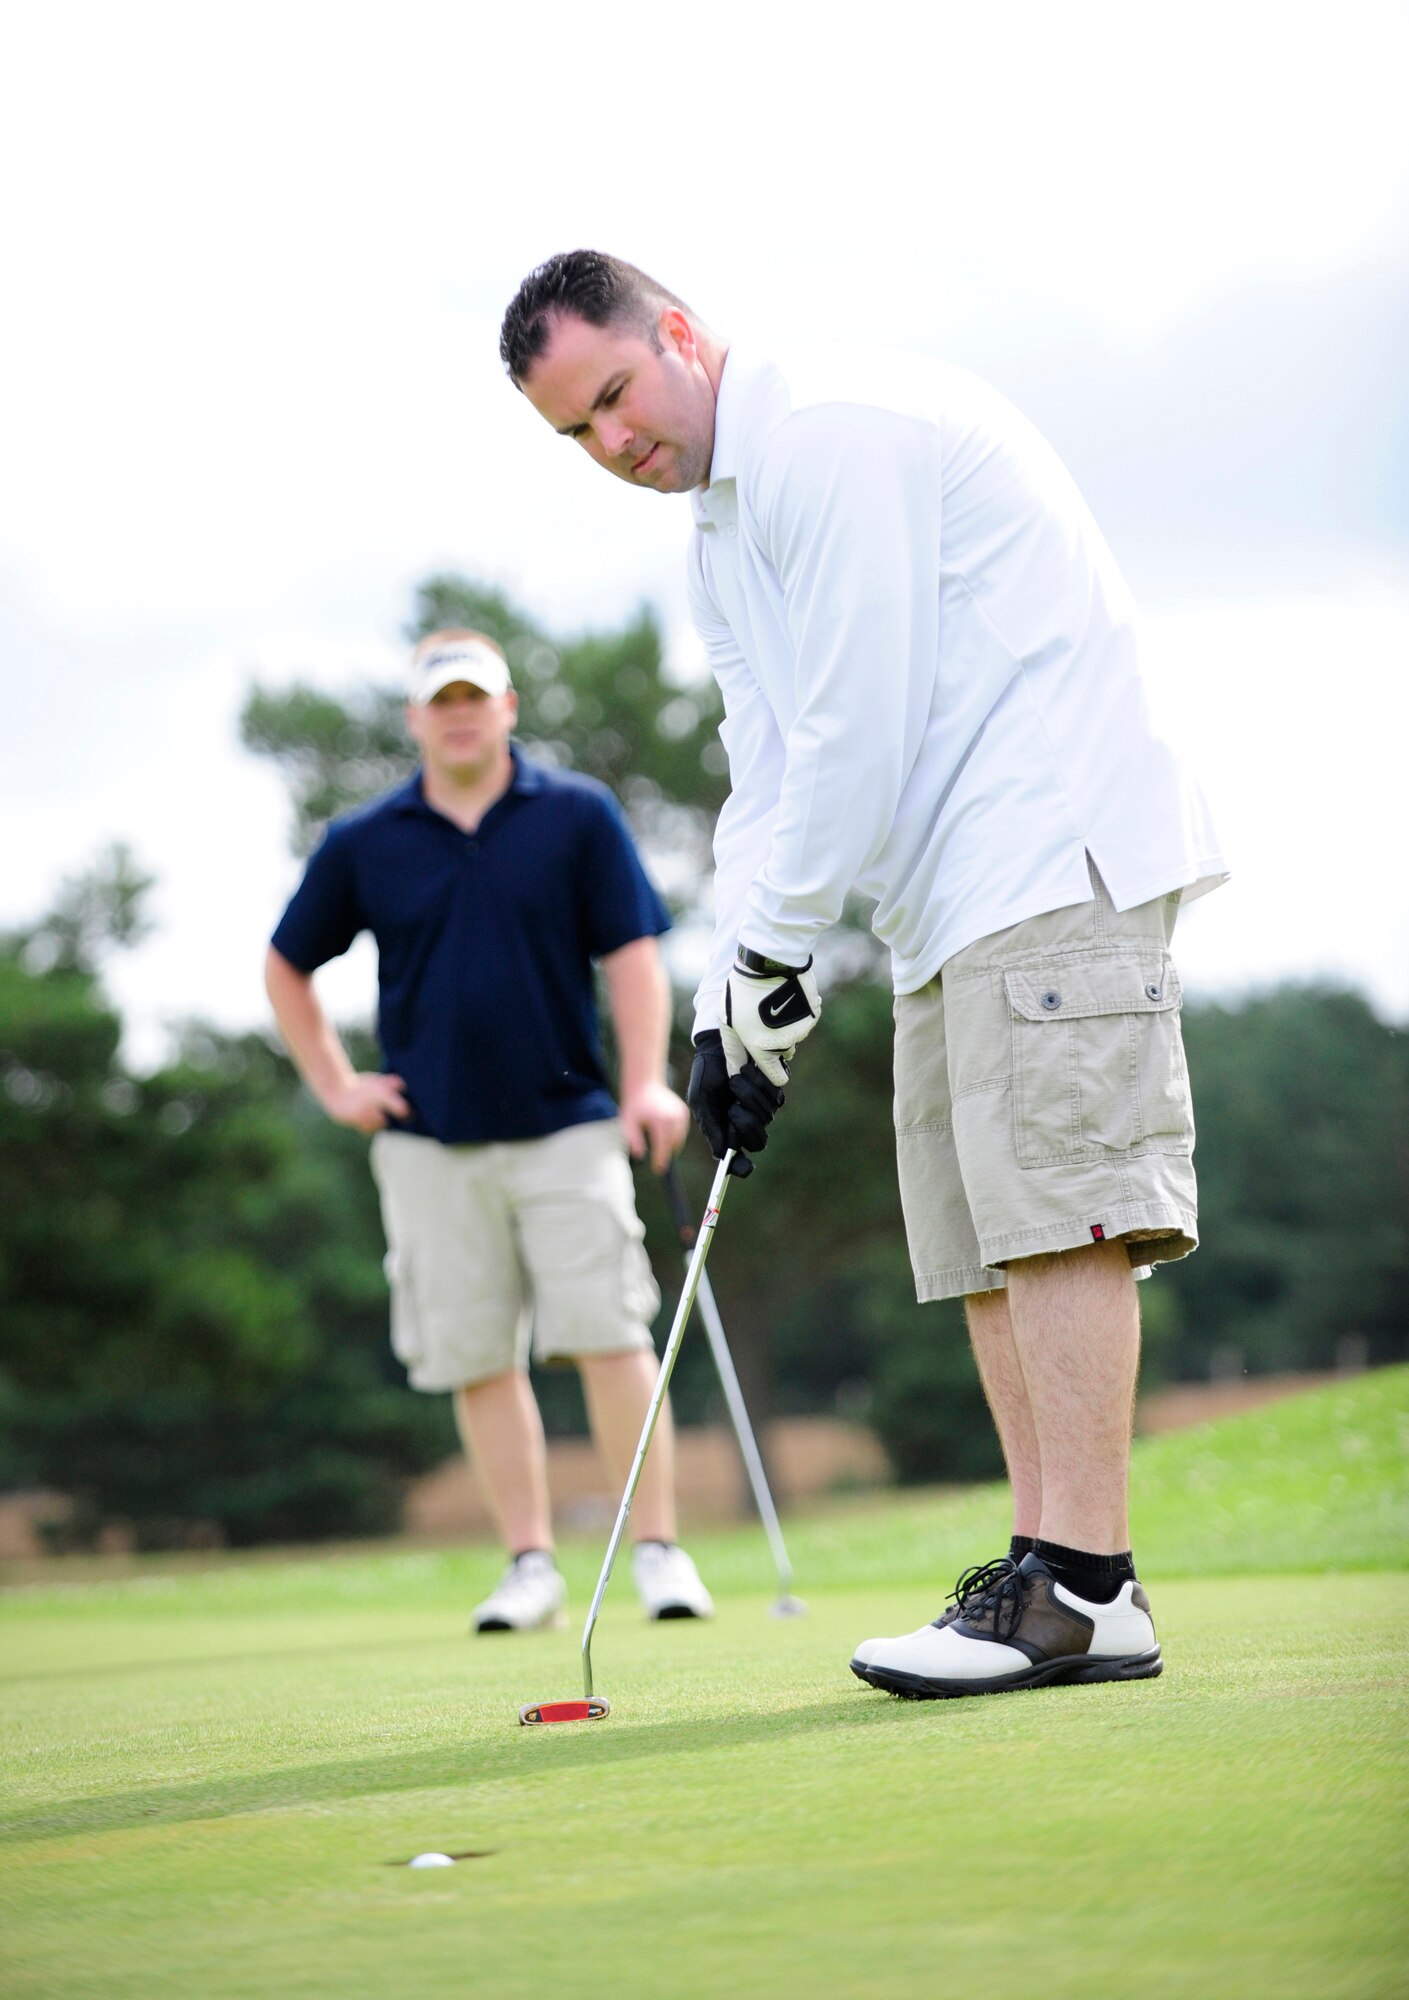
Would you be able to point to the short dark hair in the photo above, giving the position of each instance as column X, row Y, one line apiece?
column 605, row 291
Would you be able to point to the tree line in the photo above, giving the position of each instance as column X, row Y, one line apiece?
column 190, row 1260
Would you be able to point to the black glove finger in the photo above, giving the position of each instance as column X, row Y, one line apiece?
column 746, row 1134
column 755, row 1094
column 740, row 1167
column 755, row 1102
column 716, row 1129
column 710, row 1099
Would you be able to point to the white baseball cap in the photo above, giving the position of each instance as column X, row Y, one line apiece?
column 457, row 660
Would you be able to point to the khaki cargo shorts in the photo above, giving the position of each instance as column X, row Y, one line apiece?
column 490, row 1247
column 1041, row 1098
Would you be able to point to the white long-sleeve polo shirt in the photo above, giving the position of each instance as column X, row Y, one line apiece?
column 929, row 667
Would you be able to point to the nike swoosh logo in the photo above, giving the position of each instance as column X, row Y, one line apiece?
column 784, row 1005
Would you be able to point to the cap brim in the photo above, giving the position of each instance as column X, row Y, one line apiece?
column 477, row 673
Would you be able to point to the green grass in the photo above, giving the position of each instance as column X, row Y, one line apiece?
column 211, row 1777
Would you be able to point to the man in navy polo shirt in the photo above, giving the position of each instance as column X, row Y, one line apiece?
column 492, row 885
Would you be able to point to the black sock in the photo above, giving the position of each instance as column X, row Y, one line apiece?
column 519, row 1554
column 1096, row 1578
column 1020, row 1546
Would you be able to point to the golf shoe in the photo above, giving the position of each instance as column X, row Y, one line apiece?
column 1012, row 1625
column 531, row 1593
column 668, row 1583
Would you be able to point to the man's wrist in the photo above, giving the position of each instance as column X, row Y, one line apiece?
column 638, row 1086
column 755, row 962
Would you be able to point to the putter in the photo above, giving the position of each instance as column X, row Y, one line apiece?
column 592, row 1707
column 786, row 1606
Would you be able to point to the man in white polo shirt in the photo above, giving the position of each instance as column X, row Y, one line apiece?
column 933, row 697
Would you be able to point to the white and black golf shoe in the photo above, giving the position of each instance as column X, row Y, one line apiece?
column 667, row 1582
column 1012, row 1625
column 529, row 1595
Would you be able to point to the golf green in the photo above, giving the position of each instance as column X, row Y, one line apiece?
column 214, row 1778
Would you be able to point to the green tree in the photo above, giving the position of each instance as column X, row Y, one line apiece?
column 1302, row 1102
column 195, row 1316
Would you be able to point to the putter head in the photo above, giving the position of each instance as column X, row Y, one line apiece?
column 788, row 1606
column 591, row 1710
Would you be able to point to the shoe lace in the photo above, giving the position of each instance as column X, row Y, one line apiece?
column 991, row 1590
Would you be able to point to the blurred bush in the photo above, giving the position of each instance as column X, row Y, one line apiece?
column 194, row 1324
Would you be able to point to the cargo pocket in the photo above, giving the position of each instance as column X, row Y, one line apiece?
column 407, row 1342
column 640, row 1294
column 1098, row 1059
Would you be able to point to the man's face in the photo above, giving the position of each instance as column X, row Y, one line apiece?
column 646, row 415
column 462, row 732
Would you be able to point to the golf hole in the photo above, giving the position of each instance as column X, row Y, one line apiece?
column 442, row 1857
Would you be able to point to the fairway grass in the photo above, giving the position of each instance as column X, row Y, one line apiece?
column 213, row 1781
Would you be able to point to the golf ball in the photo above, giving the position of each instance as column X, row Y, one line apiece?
column 431, row 1861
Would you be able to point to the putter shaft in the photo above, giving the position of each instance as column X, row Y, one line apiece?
column 667, row 1365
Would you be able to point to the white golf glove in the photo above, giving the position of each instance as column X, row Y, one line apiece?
column 768, row 1009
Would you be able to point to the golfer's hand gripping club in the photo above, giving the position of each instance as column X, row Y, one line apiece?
column 732, row 1112
column 768, row 1009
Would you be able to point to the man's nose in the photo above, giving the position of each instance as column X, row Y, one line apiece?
column 613, row 434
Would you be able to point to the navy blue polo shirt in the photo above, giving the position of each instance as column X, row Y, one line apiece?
column 485, row 944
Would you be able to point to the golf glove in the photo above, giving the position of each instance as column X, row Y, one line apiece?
column 768, row 1008
column 733, row 1112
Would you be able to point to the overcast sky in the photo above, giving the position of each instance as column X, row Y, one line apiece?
column 255, row 260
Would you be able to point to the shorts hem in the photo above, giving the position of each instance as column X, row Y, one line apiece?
column 1161, row 1232
column 553, row 1356
column 432, row 1382
column 956, row 1283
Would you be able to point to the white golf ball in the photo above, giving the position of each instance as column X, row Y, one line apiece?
column 431, row 1861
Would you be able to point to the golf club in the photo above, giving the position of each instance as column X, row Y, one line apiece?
column 786, row 1606
column 592, row 1707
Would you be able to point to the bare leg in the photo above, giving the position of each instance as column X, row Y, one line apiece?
column 1076, row 1332
column 991, row 1335
column 618, row 1388
column 502, row 1431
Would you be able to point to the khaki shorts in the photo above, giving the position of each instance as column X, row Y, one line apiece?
column 487, row 1244
column 1041, row 1098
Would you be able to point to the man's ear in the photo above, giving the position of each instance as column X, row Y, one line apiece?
column 676, row 334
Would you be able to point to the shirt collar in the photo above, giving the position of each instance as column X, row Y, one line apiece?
column 749, row 389
column 713, row 505
column 527, row 779
column 410, row 797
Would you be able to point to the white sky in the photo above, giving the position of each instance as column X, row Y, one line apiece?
column 255, row 258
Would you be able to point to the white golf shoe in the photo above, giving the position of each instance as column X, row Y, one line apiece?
column 1014, row 1626
column 668, row 1583
column 530, row 1594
